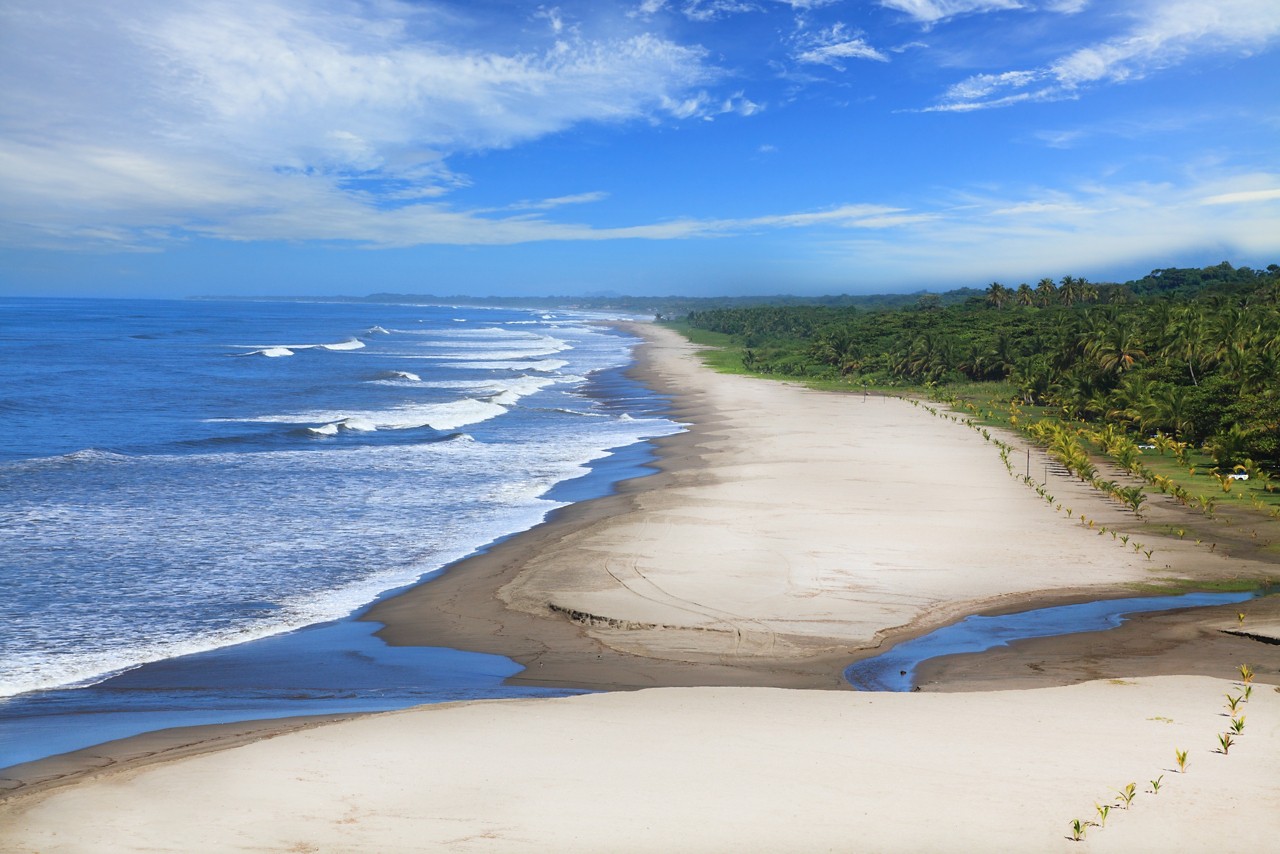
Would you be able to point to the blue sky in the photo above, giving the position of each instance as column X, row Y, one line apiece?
column 166, row 147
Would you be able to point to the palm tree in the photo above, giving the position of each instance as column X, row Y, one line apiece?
column 1170, row 407
column 1188, row 336
column 1046, row 291
column 1131, row 402
column 1069, row 293
column 997, row 295
column 1024, row 295
column 837, row 347
column 1115, row 347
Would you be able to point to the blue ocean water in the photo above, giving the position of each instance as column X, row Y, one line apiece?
column 194, row 495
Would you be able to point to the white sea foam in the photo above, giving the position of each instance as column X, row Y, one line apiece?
column 539, row 365
column 376, row 330
column 277, row 350
column 272, row 527
column 488, row 354
column 255, row 539
column 401, row 375
column 438, row 416
column 270, row 352
column 352, row 344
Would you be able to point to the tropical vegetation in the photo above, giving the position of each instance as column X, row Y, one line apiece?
column 1188, row 356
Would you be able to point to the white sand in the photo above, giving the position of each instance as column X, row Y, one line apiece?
column 712, row 769
column 818, row 520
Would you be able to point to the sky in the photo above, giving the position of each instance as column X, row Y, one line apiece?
column 645, row 147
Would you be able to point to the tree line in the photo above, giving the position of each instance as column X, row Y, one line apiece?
column 1188, row 353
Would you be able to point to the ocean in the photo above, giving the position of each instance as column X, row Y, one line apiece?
column 197, row 496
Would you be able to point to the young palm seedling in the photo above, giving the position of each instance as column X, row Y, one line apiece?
column 1077, row 829
column 1246, row 674
column 1102, row 809
column 1225, row 740
column 1127, row 793
column 1237, row 725
column 1181, row 756
column 1248, row 691
column 1155, row 784
column 1233, row 703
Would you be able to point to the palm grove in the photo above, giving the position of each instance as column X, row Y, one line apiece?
column 1192, row 354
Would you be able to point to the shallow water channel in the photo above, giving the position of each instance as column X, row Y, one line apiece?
column 894, row 670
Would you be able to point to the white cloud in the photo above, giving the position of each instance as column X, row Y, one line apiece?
column 849, row 216
column 833, row 44
column 651, row 7
column 709, row 10
column 1067, row 7
column 929, row 12
column 1038, row 232
column 985, row 85
column 560, row 201
column 1243, row 197
column 553, row 17
column 1162, row 34
column 176, row 115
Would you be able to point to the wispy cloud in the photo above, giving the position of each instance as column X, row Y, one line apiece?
column 1162, row 34
column 832, row 45
column 1067, row 7
column 711, row 10
column 180, row 115
column 1243, row 197
column 931, row 12
column 1035, row 232
column 559, row 201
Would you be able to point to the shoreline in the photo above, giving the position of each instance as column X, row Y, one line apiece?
column 479, row 604
column 473, row 605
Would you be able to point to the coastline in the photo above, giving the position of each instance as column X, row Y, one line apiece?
column 574, row 601
column 797, row 632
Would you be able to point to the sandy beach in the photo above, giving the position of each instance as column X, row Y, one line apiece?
column 787, row 533
column 712, row 769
